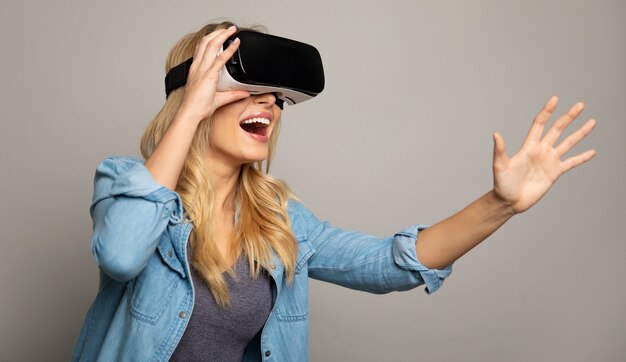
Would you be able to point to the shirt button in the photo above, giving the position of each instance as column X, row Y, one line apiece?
column 273, row 267
column 169, row 253
column 182, row 314
column 267, row 353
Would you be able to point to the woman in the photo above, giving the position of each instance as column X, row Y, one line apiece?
column 198, row 227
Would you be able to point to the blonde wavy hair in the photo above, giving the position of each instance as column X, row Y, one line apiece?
column 263, row 224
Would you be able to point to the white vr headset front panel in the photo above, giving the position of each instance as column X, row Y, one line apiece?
column 290, row 96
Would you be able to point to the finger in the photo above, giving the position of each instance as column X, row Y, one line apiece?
column 573, row 139
column 212, row 49
column 557, row 128
column 499, row 151
column 223, row 98
column 577, row 160
column 536, row 129
column 198, row 55
column 223, row 57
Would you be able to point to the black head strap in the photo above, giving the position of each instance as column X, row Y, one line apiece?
column 177, row 76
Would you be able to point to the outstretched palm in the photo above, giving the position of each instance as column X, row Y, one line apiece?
column 523, row 179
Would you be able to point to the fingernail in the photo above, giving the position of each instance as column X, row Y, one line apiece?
column 232, row 27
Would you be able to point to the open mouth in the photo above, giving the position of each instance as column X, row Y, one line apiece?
column 256, row 125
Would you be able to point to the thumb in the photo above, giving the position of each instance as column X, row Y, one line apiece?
column 499, row 150
column 223, row 98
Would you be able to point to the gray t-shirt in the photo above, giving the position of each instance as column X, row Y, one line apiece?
column 218, row 334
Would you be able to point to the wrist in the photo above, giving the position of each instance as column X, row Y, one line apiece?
column 503, row 206
column 188, row 116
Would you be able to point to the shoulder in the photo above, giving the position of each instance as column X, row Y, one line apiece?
column 123, row 176
column 297, row 211
column 118, row 164
column 302, row 219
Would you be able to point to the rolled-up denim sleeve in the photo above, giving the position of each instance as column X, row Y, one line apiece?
column 365, row 262
column 130, row 211
column 405, row 256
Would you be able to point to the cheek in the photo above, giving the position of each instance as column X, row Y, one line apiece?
column 278, row 113
column 223, row 130
column 225, row 119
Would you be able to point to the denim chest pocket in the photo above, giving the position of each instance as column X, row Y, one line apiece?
column 151, row 291
column 293, row 302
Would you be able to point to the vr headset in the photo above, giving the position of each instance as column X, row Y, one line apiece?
column 264, row 63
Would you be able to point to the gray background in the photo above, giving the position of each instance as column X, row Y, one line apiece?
column 402, row 134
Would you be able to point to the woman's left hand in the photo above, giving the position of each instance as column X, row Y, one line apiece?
column 522, row 180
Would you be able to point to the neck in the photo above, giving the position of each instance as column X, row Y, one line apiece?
column 224, row 178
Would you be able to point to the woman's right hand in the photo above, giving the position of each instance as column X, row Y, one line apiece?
column 201, row 97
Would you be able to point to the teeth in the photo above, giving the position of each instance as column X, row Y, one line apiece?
column 264, row 121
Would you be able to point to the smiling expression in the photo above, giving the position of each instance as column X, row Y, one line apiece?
column 240, row 131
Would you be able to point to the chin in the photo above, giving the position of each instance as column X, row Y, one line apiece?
column 255, row 158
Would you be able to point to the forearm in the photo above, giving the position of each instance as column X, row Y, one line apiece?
column 441, row 244
column 168, row 157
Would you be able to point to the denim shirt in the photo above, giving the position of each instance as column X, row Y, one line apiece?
column 146, row 297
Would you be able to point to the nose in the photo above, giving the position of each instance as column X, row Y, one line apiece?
column 268, row 99
column 265, row 98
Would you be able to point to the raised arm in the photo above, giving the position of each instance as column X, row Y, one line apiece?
column 201, row 99
column 519, row 183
